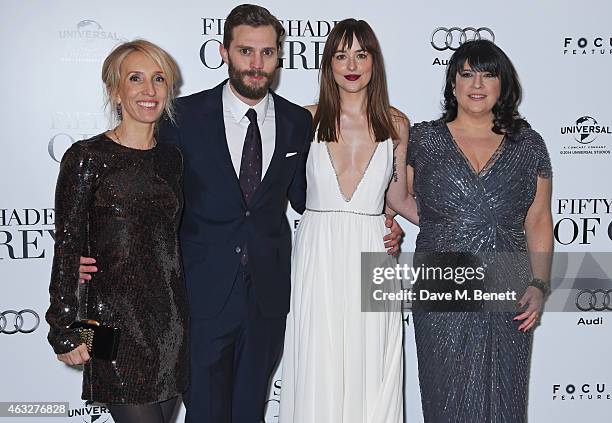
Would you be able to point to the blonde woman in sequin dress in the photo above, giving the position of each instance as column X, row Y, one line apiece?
column 119, row 199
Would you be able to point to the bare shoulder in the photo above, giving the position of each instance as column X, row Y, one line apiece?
column 312, row 108
column 400, row 121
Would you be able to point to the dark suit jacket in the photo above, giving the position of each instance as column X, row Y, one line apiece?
column 217, row 222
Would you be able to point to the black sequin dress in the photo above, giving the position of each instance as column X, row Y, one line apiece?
column 130, row 201
column 473, row 366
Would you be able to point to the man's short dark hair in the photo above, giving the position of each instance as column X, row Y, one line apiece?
column 251, row 15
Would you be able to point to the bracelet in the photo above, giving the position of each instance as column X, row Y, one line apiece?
column 541, row 284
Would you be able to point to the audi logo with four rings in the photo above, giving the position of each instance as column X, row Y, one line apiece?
column 594, row 300
column 451, row 38
column 24, row 321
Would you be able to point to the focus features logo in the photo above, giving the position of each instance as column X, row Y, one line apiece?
column 580, row 392
column 584, row 132
column 296, row 224
column 24, row 321
column 587, row 46
column 451, row 39
column 302, row 46
column 87, row 41
column 26, row 233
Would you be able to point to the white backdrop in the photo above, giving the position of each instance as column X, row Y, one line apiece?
column 50, row 80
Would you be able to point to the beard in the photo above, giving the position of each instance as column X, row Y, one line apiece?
column 252, row 92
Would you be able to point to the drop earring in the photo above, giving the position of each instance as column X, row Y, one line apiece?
column 119, row 111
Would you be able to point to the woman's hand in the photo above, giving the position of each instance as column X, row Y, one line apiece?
column 79, row 355
column 534, row 299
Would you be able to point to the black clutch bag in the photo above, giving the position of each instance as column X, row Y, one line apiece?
column 102, row 341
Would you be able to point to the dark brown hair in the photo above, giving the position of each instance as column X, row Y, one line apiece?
column 251, row 15
column 326, row 120
column 484, row 56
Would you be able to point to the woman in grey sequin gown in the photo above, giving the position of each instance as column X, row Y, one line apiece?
column 482, row 180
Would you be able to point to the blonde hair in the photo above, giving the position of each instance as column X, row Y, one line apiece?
column 111, row 72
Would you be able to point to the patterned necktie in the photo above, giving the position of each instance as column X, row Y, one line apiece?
column 250, row 165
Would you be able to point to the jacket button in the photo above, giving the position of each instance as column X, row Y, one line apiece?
column 247, row 213
column 238, row 250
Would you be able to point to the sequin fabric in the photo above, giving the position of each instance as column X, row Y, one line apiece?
column 130, row 202
column 473, row 366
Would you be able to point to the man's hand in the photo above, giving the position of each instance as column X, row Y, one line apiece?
column 86, row 267
column 394, row 239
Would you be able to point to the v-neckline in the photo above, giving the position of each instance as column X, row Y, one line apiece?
column 365, row 170
column 488, row 164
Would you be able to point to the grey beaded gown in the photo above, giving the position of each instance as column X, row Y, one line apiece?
column 473, row 366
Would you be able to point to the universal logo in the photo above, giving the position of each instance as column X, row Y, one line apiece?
column 585, row 131
column 90, row 414
column 580, row 392
column 450, row 39
column 89, row 30
column 88, row 41
column 587, row 46
column 302, row 47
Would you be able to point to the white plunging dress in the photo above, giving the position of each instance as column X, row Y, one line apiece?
column 340, row 365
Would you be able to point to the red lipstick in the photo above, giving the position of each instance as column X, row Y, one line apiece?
column 352, row 77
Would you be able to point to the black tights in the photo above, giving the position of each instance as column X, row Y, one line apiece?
column 158, row 412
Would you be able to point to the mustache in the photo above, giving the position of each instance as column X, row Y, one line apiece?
column 255, row 72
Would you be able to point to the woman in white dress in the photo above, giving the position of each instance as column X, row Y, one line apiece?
column 341, row 364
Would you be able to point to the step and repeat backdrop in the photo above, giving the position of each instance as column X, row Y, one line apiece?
column 52, row 54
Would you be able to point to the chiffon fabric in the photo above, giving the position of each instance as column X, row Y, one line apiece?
column 340, row 364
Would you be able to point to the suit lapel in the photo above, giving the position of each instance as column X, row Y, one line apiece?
column 214, row 125
column 281, row 137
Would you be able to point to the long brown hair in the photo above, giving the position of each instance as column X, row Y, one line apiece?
column 327, row 117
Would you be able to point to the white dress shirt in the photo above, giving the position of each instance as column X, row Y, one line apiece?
column 236, row 125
